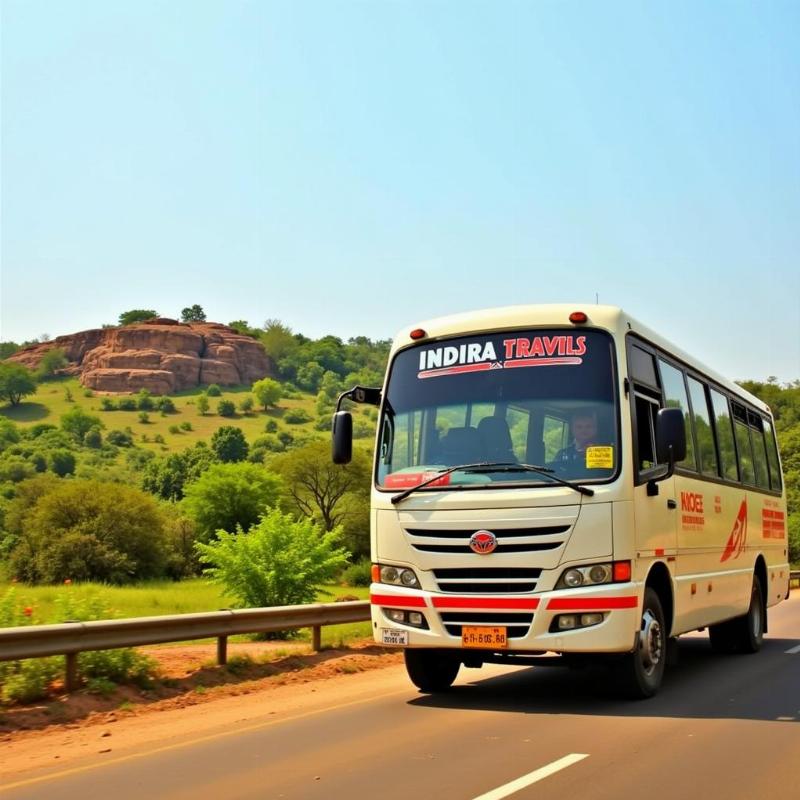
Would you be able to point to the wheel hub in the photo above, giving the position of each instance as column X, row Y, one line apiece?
column 651, row 642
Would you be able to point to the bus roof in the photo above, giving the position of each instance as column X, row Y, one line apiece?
column 610, row 318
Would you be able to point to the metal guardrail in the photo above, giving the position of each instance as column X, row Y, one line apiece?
column 70, row 638
column 794, row 579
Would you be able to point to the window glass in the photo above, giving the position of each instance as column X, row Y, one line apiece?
column 727, row 450
column 646, row 410
column 743, row 445
column 518, row 423
column 772, row 456
column 759, row 450
column 675, row 397
column 555, row 433
column 703, row 432
column 643, row 366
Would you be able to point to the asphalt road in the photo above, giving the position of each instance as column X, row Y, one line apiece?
column 721, row 726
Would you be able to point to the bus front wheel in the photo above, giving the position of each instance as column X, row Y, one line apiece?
column 432, row 671
column 641, row 671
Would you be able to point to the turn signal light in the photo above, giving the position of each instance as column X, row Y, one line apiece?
column 622, row 571
column 577, row 317
column 376, row 573
column 418, row 333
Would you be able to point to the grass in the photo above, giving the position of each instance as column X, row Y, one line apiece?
column 153, row 598
column 49, row 403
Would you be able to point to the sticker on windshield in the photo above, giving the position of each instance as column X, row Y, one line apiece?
column 538, row 351
column 600, row 457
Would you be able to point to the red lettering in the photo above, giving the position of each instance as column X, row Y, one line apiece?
column 551, row 343
column 537, row 349
column 690, row 501
column 509, row 346
column 580, row 346
column 523, row 348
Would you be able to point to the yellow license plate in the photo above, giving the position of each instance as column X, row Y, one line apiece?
column 484, row 636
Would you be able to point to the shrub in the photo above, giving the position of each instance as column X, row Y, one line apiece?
column 93, row 438
column 88, row 530
column 127, row 404
column 174, row 429
column 88, row 393
column 78, row 423
column 213, row 390
column 15, row 468
column 120, row 438
column 166, row 477
column 144, row 401
column 794, row 538
column 229, row 496
column 229, row 444
column 144, row 417
column 358, row 574
column 281, row 561
column 271, row 426
column 158, row 439
column 107, row 404
column 165, row 405
column 246, row 404
column 202, row 404
column 297, row 416
column 186, row 426
column 226, row 408
column 62, row 462
column 68, row 395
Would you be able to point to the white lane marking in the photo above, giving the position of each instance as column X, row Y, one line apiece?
column 532, row 777
column 793, row 651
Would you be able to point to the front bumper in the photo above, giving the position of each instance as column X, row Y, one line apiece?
column 528, row 617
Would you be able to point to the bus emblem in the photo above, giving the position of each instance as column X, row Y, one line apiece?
column 483, row 542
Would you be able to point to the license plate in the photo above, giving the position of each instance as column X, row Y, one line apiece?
column 483, row 636
column 391, row 636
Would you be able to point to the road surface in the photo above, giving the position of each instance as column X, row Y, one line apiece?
column 722, row 726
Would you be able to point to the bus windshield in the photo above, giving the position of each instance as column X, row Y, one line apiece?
column 541, row 397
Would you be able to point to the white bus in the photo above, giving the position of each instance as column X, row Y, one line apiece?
column 550, row 480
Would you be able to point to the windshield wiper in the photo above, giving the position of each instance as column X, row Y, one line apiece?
column 489, row 466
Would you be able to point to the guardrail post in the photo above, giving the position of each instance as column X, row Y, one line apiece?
column 71, row 672
column 316, row 638
column 222, row 650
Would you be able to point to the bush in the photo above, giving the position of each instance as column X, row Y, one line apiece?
column 144, row 401
column 165, row 405
column 62, row 462
column 107, row 404
column 93, row 438
column 229, row 444
column 271, row 426
column 202, row 404
column 794, row 538
column 297, row 416
column 358, row 574
column 213, row 390
column 87, row 530
column 186, row 426
column 246, row 405
column 174, row 429
column 15, row 468
column 226, row 408
column 144, row 417
column 127, row 404
column 230, row 496
column 120, row 438
column 77, row 423
column 281, row 561
column 88, row 393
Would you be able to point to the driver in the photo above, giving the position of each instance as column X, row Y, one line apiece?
column 584, row 434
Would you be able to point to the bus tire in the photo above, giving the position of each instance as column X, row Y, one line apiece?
column 640, row 673
column 743, row 634
column 431, row 671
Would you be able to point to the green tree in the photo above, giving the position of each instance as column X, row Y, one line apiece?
column 61, row 462
column 246, row 404
column 16, row 382
column 193, row 313
column 226, row 408
column 136, row 315
column 228, row 444
column 229, row 495
column 167, row 477
column 202, row 404
column 7, row 349
column 90, row 530
column 50, row 362
column 280, row 561
column 268, row 392
column 78, row 423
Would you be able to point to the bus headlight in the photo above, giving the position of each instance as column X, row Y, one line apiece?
column 398, row 576
column 590, row 575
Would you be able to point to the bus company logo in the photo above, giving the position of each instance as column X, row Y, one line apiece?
column 738, row 536
column 483, row 542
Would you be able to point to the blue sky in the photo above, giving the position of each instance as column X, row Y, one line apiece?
column 350, row 167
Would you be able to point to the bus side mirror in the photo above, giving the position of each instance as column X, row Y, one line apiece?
column 342, row 437
column 670, row 437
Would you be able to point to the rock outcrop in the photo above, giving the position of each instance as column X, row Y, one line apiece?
column 160, row 355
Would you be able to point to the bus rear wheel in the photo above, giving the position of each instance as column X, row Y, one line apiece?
column 744, row 634
column 432, row 671
column 641, row 671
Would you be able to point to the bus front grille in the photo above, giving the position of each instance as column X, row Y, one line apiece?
column 516, row 540
column 487, row 580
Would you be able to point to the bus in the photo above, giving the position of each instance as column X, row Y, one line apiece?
column 552, row 483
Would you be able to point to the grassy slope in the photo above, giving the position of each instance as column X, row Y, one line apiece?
column 49, row 403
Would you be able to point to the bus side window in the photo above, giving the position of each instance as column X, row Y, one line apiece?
column 675, row 397
column 703, row 432
column 646, row 411
column 743, row 445
column 724, row 428
column 759, row 450
column 772, row 457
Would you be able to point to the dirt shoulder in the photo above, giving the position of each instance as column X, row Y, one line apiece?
column 192, row 695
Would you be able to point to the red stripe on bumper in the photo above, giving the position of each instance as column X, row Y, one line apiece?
column 591, row 603
column 486, row 602
column 397, row 600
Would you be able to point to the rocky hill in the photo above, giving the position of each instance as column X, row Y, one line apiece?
column 160, row 355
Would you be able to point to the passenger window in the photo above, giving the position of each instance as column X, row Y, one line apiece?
column 703, row 432
column 759, row 450
column 518, row 423
column 555, row 433
column 724, row 426
column 675, row 397
column 646, row 410
column 642, row 366
column 743, row 445
column 772, row 457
